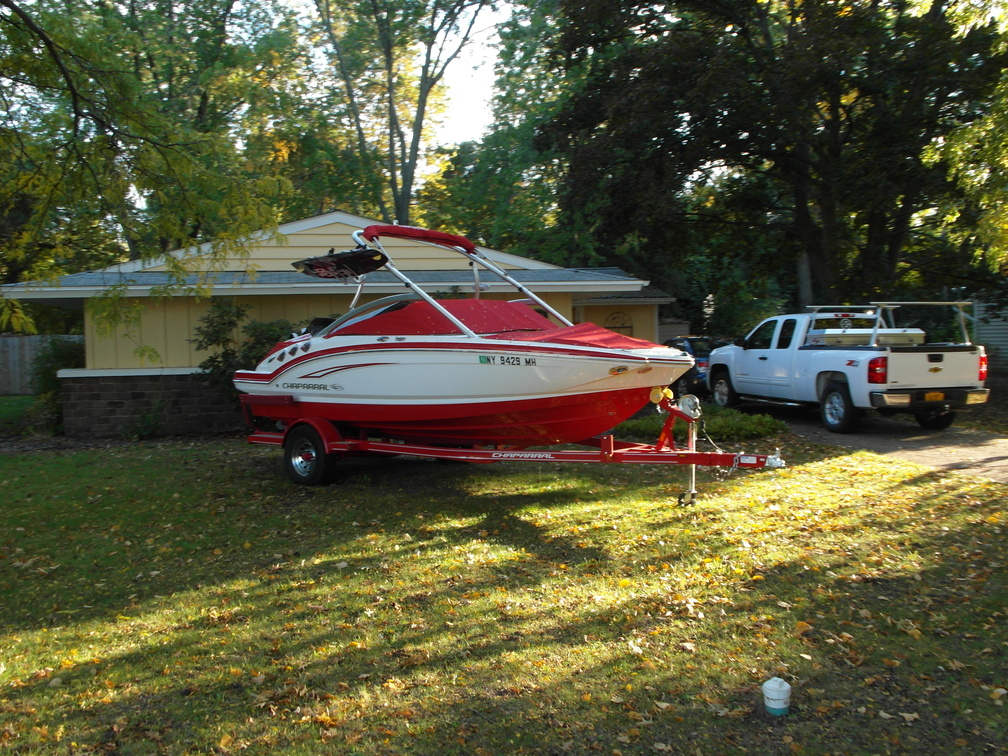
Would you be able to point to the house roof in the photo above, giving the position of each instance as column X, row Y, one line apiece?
column 72, row 290
column 144, row 278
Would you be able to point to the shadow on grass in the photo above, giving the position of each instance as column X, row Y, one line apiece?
column 423, row 607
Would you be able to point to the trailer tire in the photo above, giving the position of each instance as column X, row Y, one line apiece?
column 935, row 420
column 305, row 458
column 838, row 412
column 722, row 390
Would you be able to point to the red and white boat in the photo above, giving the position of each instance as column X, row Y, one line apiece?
column 453, row 371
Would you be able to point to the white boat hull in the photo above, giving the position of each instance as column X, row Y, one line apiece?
column 463, row 390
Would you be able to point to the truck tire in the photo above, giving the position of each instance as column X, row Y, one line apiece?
column 838, row 412
column 935, row 420
column 722, row 390
column 305, row 459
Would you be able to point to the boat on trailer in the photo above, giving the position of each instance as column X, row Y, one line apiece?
column 474, row 379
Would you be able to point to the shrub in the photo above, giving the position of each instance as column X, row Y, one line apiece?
column 58, row 353
column 218, row 333
column 721, row 424
column 45, row 416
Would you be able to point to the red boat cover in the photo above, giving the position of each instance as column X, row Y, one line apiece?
column 422, row 234
column 418, row 318
column 493, row 318
column 584, row 334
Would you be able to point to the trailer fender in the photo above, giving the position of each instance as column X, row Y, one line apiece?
column 326, row 430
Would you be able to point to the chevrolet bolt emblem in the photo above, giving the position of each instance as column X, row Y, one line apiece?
column 935, row 370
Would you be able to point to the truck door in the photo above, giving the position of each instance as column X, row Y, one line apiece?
column 752, row 369
column 780, row 373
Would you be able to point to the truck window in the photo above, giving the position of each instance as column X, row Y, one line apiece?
column 786, row 333
column 762, row 337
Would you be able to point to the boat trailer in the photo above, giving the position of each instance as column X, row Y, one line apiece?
column 312, row 445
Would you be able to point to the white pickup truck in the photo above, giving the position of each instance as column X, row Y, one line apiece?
column 846, row 359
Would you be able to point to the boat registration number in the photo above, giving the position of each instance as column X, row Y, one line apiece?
column 507, row 359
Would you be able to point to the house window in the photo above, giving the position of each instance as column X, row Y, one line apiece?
column 620, row 322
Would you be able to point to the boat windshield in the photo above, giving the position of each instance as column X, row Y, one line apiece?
column 404, row 315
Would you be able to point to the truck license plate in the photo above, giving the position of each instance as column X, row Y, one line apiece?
column 934, row 396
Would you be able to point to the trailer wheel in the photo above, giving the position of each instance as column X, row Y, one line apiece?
column 722, row 390
column 935, row 420
column 838, row 412
column 305, row 458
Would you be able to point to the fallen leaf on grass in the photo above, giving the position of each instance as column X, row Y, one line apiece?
column 997, row 693
column 910, row 717
column 801, row 628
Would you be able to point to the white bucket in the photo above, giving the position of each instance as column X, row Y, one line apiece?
column 776, row 696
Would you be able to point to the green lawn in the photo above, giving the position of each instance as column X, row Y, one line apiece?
column 11, row 410
column 182, row 597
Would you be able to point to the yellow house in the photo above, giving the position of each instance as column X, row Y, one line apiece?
column 158, row 383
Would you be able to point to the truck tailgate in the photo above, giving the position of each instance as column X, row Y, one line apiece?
column 934, row 366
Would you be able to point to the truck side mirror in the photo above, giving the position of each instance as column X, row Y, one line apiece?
column 740, row 342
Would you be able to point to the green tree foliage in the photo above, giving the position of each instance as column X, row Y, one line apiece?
column 131, row 128
column 387, row 60
column 121, row 129
column 828, row 106
column 502, row 191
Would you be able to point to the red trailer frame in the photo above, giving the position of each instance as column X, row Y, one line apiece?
column 312, row 444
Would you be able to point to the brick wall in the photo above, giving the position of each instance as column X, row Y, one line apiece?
column 164, row 405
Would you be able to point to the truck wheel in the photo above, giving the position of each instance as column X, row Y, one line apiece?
column 838, row 412
column 722, row 391
column 305, row 459
column 935, row 420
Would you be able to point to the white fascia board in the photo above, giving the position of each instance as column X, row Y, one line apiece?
column 123, row 372
column 594, row 288
column 21, row 291
column 524, row 263
column 393, row 287
column 338, row 216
